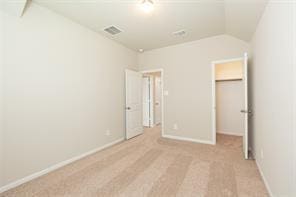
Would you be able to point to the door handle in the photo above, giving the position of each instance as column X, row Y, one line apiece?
column 128, row 108
column 246, row 111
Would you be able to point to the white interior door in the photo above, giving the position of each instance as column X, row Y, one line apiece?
column 246, row 110
column 157, row 102
column 146, row 101
column 133, row 108
column 151, row 101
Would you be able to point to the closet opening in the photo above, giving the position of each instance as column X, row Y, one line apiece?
column 230, row 101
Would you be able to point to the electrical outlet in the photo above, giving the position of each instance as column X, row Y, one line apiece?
column 261, row 154
column 175, row 126
column 107, row 132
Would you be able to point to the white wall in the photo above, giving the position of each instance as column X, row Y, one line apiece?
column 229, row 102
column 272, row 76
column 1, row 104
column 64, row 86
column 187, row 77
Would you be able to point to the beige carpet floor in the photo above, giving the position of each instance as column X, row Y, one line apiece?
column 149, row 165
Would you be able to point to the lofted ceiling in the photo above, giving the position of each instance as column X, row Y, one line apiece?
column 140, row 30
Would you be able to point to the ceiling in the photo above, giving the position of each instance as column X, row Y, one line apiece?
column 15, row 8
column 140, row 30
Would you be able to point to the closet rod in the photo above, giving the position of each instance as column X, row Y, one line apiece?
column 238, row 79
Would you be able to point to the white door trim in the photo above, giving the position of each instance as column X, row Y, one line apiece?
column 146, row 101
column 161, row 70
column 246, row 107
column 151, row 102
column 294, row 96
column 214, row 126
column 157, row 99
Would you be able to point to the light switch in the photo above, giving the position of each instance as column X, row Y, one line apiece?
column 166, row 93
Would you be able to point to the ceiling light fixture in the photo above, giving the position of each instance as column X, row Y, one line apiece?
column 147, row 6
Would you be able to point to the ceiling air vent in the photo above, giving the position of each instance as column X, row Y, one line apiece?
column 112, row 30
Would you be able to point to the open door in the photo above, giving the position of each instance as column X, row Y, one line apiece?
column 246, row 110
column 133, row 107
column 146, row 102
column 157, row 116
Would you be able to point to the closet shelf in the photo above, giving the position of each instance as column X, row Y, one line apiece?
column 234, row 79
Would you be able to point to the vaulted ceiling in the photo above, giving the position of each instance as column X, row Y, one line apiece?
column 140, row 30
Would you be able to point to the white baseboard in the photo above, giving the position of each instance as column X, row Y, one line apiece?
column 55, row 167
column 188, row 139
column 229, row 133
column 264, row 180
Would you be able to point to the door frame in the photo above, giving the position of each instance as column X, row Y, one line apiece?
column 214, row 114
column 161, row 70
column 157, row 79
column 149, row 100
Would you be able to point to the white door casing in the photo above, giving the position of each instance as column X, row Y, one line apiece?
column 246, row 109
column 151, row 101
column 146, row 101
column 134, row 106
column 157, row 102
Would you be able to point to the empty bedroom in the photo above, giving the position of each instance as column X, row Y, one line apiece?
column 156, row 98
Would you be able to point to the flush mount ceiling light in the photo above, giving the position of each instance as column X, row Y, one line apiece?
column 147, row 6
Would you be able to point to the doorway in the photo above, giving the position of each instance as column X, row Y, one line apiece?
column 144, row 101
column 230, row 99
column 152, row 98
